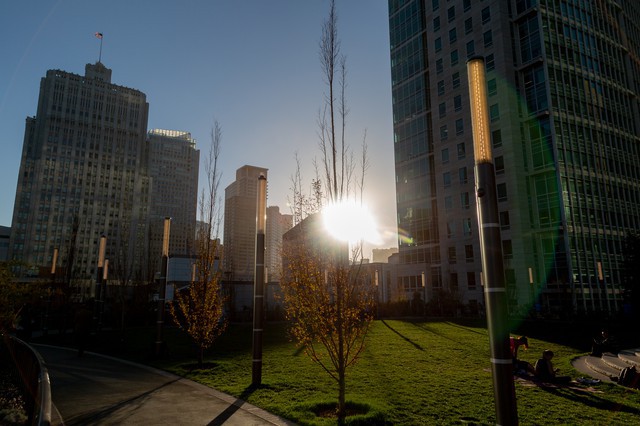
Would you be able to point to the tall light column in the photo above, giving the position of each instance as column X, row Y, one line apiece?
column 98, row 293
column 163, row 284
column 258, row 288
column 54, row 260
column 491, row 248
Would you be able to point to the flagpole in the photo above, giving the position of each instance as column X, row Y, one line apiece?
column 100, row 56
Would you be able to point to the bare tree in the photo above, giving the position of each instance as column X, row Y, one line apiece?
column 198, row 310
column 324, row 291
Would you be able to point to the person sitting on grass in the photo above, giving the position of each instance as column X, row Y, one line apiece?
column 545, row 371
column 519, row 365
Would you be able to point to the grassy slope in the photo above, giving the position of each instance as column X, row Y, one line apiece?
column 411, row 373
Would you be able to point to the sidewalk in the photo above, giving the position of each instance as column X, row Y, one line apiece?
column 100, row 390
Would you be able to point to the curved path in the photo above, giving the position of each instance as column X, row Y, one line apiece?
column 100, row 390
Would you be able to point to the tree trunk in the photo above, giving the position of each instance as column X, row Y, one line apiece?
column 200, row 356
column 342, row 412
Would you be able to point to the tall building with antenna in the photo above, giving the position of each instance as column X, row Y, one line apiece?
column 563, row 82
column 83, row 173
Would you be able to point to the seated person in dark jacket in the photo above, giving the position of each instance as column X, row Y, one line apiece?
column 545, row 371
column 602, row 343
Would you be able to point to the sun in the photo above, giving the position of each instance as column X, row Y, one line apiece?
column 350, row 221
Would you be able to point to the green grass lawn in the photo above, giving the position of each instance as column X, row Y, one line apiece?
column 411, row 373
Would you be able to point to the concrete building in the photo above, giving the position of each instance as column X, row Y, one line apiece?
column 382, row 255
column 5, row 234
column 277, row 225
column 173, row 167
column 240, row 209
column 563, row 80
column 83, row 173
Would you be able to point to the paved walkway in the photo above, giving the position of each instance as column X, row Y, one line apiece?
column 100, row 390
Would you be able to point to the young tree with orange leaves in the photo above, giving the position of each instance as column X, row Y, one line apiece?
column 325, row 294
column 198, row 310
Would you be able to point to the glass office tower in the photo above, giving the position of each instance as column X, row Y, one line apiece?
column 563, row 79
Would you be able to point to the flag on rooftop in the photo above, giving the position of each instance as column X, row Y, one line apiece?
column 99, row 35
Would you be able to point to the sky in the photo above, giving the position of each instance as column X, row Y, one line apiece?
column 252, row 65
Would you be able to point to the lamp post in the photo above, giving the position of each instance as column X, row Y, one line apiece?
column 258, row 288
column 103, row 290
column 54, row 260
column 491, row 248
column 163, row 284
column 377, row 282
column 98, row 293
column 424, row 292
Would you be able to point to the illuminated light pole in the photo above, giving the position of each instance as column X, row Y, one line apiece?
column 98, row 293
column 491, row 248
column 54, row 260
column 424, row 292
column 103, row 290
column 163, row 284
column 258, row 288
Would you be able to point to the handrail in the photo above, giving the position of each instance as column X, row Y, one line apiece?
column 35, row 378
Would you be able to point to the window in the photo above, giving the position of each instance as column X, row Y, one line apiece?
column 462, row 175
column 455, row 79
column 461, row 151
column 436, row 23
column 448, row 202
column 442, row 110
column 438, row 44
column 501, row 190
column 454, row 57
column 490, row 62
column 466, row 4
column 441, row 88
column 492, row 87
column 457, row 103
column 451, row 13
column 468, row 25
column 507, row 249
column 453, row 281
column 445, row 155
column 471, row 280
column 446, row 179
column 466, row 227
column 452, row 254
column 496, row 137
column 443, row 132
column 468, row 252
column 459, row 126
column 464, row 200
column 494, row 112
column 451, row 229
column 439, row 67
column 488, row 39
column 486, row 15
column 504, row 220
column 499, row 164
column 471, row 48
column 453, row 35
column 435, row 4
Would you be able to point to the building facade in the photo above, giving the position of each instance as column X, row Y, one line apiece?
column 83, row 174
column 173, row 168
column 276, row 226
column 240, row 209
column 563, row 79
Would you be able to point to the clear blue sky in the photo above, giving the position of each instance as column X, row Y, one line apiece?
column 251, row 64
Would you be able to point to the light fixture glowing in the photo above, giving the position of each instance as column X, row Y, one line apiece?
column 479, row 111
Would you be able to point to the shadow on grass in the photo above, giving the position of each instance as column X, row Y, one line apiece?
column 417, row 346
column 235, row 406
column 589, row 398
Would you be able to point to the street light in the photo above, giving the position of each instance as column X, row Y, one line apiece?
column 424, row 292
column 491, row 247
column 258, row 288
column 163, row 283
column 98, row 293
column 54, row 260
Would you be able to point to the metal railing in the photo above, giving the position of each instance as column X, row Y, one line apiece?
column 35, row 380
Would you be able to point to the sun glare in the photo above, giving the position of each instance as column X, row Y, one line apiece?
column 351, row 222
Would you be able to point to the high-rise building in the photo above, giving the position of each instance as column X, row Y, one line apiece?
column 173, row 168
column 563, row 79
column 277, row 224
column 83, row 174
column 240, row 207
